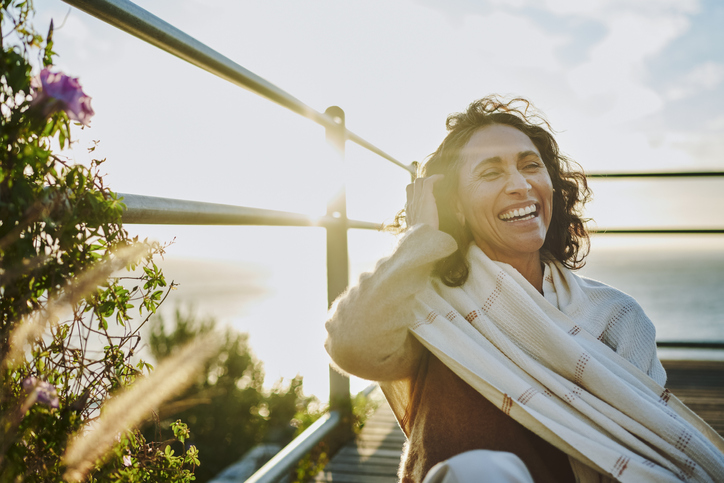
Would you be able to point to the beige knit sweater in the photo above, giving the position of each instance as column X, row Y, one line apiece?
column 376, row 329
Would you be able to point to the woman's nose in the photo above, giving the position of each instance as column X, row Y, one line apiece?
column 517, row 183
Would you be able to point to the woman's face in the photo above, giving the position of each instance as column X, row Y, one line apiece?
column 504, row 193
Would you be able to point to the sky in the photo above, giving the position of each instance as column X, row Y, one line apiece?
column 628, row 85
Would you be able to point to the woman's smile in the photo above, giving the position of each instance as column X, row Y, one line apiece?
column 519, row 214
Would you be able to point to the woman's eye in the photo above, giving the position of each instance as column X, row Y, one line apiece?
column 489, row 174
column 533, row 165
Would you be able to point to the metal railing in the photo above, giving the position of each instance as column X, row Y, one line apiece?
column 153, row 210
column 657, row 175
column 284, row 461
column 660, row 174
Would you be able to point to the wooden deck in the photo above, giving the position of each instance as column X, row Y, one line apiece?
column 375, row 454
column 373, row 457
column 699, row 385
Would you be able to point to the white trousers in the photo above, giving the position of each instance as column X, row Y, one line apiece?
column 480, row 466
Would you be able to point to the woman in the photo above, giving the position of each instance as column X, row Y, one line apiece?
column 483, row 339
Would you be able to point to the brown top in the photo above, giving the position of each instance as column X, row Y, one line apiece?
column 448, row 417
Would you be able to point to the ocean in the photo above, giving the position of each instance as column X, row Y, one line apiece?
column 681, row 291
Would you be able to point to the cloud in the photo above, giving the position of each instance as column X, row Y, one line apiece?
column 513, row 40
column 704, row 146
column 607, row 81
column 615, row 71
column 610, row 8
column 704, row 77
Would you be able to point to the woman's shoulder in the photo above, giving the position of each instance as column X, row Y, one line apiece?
column 603, row 309
column 615, row 318
column 595, row 289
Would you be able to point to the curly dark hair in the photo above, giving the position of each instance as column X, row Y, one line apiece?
column 567, row 239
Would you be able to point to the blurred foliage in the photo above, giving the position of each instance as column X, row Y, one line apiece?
column 67, row 334
column 227, row 408
column 136, row 460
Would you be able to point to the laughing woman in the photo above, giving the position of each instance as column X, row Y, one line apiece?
column 499, row 362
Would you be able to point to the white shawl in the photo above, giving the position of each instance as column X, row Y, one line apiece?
column 547, row 362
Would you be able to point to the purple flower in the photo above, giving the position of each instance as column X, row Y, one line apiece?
column 56, row 91
column 45, row 392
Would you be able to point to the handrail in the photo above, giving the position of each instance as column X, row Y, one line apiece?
column 284, row 461
column 412, row 168
column 142, row 24
column 690, row 344
column 659, row 174
column 151, row 210
column 656, row 231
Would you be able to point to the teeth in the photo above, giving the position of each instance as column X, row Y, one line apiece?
column 519, row 212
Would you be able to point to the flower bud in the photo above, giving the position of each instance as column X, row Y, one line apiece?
column 44, row 391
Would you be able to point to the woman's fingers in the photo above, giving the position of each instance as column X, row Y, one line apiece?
column 430, row 181
column 421, row 206
column 409, row 209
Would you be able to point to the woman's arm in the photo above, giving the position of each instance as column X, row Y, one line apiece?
column 367, row 331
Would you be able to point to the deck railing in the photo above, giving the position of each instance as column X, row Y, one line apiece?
column 153, row 210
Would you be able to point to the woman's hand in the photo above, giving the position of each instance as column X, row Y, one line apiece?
column 421, row 206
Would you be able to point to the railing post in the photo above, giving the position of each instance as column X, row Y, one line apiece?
column 338, row 267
